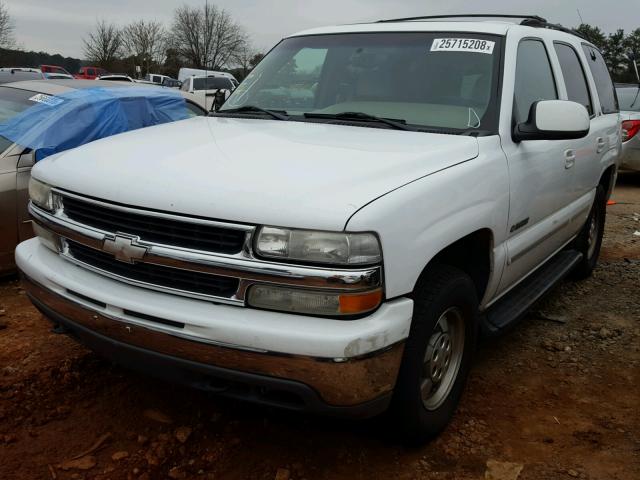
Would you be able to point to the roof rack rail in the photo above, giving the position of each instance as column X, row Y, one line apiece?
column 525, row 20
column 468, row 15
column 532, row 22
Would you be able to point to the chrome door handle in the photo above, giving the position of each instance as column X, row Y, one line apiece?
column 600, row 142
column 569, row 159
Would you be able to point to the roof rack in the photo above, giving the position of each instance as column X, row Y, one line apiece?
column 531, row 22
column 468, row 15
column 525, row 20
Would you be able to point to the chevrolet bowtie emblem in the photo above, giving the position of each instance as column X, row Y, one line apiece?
column 125, row 248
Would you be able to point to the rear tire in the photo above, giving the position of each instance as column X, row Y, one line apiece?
column 589, row 240
column 438, row 354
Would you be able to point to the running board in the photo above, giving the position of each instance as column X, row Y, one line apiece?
column 513, row 306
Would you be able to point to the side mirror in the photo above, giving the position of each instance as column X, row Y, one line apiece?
column 554, row 120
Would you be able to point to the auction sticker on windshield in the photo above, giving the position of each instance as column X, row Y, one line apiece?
column 46, row 99
column 471, row 45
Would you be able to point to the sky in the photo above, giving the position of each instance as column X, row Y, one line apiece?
column 58, row 26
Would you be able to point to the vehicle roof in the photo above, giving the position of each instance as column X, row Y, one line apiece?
column 7, row 77
column 473, row 25
column 59, row 86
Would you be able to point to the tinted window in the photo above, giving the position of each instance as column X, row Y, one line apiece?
column 534, row 78
column 601, row 76
column 212, row 83
column 573, row 73
column 629, row 98
column 91, row 71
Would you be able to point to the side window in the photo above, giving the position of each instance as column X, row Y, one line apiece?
column 534, row 78
column 91, row 71
column 601, row 76
column 574, row 78
column 194, row 110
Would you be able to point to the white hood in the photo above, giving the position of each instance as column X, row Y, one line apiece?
column 292, row 174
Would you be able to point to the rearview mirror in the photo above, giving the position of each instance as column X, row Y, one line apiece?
column 554, row 120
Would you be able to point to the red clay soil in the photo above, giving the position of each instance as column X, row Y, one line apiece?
column 559, row 395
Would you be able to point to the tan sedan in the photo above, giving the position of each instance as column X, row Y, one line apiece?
column 16, row 160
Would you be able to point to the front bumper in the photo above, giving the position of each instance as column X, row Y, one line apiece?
column 141, row 329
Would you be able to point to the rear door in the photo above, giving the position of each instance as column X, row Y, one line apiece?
column 606, row 124
column 584, row 151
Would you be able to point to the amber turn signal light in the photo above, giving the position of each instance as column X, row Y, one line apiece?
column 351, row 304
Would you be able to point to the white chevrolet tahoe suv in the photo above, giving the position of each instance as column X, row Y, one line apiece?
column 336, row 236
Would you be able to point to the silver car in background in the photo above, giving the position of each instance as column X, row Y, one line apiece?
column 16, row 161
column 629, row 100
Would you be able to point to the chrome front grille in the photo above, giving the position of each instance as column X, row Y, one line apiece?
column 153, row 228
column 155, row 275
column 199, row 258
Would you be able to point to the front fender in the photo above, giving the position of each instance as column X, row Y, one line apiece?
column 422, row 218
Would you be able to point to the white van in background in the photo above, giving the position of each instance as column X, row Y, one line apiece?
column 185, row 73
column 206, row 87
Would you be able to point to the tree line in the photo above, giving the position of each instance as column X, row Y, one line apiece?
column 619, row 50
column 199, row 37
column 209, row 37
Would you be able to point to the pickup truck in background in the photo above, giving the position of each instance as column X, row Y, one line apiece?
column 336, row 236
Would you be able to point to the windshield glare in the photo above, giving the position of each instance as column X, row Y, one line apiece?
column 212, row 83
column 12, row 102
column 406, row 76
column 629, row 98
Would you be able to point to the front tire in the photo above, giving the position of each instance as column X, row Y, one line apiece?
column 589, row 240
column 438, row 353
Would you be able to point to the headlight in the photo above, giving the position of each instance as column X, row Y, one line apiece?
column 313, row 302
column 319, row 247
column 40, row 194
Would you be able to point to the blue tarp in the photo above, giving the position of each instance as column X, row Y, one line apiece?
column 57, row 123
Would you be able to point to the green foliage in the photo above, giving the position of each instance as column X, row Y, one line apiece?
column 593, row 35
column 618, row 50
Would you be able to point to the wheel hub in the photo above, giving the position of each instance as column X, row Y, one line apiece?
column 442, row 358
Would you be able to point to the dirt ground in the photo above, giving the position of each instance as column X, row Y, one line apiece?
column 559, row 396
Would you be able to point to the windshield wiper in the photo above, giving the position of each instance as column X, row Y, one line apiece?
column 363, row 117
column 277, row 114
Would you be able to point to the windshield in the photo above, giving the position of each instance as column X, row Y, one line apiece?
column 212, row 83
column 629, row 98
column 438, row 80
column 12, row 102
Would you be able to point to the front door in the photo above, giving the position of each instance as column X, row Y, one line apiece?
column 540, row 173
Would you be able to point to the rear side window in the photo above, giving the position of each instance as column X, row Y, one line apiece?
column 601, row 76
column 534, row 78
column 573, row 73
